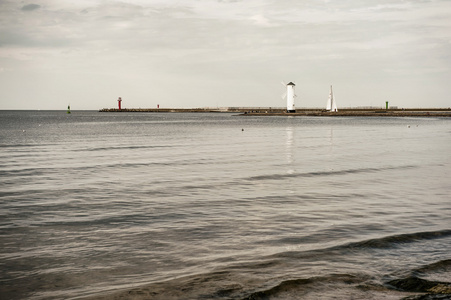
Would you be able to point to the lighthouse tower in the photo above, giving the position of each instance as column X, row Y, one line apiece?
column 119, row 102
column 290, row 98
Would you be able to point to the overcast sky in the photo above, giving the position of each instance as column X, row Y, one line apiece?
column 219, row 53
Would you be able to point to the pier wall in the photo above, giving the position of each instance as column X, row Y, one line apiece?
column 270, row 111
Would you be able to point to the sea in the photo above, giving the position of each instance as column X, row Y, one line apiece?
column 103, row 205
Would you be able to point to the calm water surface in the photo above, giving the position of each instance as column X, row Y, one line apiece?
column 218, row 206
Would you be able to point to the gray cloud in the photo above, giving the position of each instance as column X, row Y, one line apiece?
column 30, row 7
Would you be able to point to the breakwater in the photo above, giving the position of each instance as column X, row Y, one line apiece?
column 361, row 113
column 161, row 110
column 269, row 111
column 192, row 110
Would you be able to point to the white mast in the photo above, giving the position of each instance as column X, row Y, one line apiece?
column 290, row 98
column 331, row 103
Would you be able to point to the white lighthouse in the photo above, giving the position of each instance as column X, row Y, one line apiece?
column 290, row 98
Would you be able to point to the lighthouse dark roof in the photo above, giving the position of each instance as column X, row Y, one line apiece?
column 291, row 83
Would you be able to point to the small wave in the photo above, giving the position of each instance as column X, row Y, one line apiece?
column 128, row 147
column 47, row 170
column 225, row 285
column 234, row 284
column 378, row 243
column 305, row 285
column 338, row 286
column 277, row 260
column 89, row 222
column 21, row 145
column 440, row 266
column 24, row 172
column 390, row 241
column 324, row 173
column 415, row 284
column 251, row 180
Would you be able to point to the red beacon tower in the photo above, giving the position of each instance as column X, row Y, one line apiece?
column 119, row 102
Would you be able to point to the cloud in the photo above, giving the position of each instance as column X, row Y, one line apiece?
column 260, row 20
column 30, row 7
column 131, row 44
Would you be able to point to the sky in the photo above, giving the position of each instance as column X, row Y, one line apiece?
column 223, row 53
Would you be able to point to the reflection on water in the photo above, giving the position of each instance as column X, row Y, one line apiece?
column 289, row 149
column 331, row 140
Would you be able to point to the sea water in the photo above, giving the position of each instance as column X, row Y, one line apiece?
column 221, row 206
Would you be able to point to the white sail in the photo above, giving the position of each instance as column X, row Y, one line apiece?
column 334, row 101
column 331, row 103
column 334, row 105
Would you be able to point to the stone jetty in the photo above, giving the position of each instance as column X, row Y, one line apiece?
column 269, row 111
